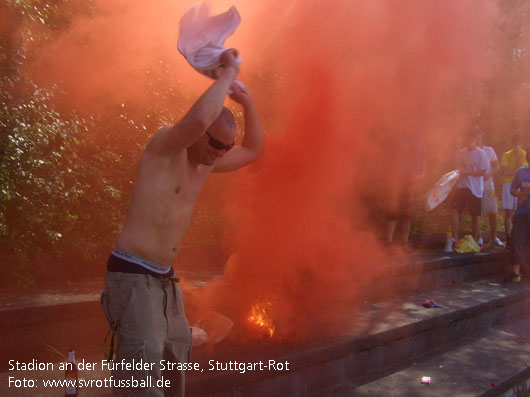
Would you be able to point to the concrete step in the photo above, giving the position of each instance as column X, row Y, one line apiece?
column 431, row 270
column 387, row 334
column 495, row 364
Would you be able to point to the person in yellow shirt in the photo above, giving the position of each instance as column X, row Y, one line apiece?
column 511, row 161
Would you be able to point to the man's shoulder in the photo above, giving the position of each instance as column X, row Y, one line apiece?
column 157, row 143
column 491, row 152
column 524, row 170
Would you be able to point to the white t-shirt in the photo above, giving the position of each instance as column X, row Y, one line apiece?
column 488, row 182
column 472, row 161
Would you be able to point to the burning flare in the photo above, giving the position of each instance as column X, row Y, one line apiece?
column 260, row 316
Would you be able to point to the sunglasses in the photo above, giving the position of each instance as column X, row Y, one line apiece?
column 217, row 144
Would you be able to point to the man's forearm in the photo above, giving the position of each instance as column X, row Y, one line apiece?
column 209, row 105
column 520, row 195
column 253, row 138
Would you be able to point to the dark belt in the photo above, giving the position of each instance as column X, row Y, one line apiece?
column 115, row 264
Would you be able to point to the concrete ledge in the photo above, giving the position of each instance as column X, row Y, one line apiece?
column 431, row 271
column 493, row 364
column 402, row 336
column 398, row 328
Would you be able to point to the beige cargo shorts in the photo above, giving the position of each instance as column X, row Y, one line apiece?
column 146, row 313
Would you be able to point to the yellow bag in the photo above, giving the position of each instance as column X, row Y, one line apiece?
column 467, row 244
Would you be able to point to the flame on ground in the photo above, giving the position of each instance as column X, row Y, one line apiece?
column 260, row 316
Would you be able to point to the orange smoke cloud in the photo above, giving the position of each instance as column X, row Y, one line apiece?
column 343, row 87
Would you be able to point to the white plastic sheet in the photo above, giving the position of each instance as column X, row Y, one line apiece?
column 440, row 191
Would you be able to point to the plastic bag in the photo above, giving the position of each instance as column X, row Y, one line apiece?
column 467, row 244
column 198, row 336
column 440, row 191
column 216, row 326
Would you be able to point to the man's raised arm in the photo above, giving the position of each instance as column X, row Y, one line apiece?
column 252, row 146
column 202, row 114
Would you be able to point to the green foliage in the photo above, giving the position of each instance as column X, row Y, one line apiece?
column 51, row 173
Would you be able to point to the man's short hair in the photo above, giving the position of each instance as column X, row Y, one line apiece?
column 227, row 118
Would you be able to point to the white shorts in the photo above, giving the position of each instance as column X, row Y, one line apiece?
column 488, row 202
column 509, row 202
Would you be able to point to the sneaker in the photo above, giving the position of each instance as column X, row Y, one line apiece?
column 480, row 241
column 449, row 243
column 497, row 243
column 513, row 278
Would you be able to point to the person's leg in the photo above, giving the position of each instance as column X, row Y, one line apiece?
column 508, row 221
column 455, row 220
column 460, row 202
column 519, row 239
column 392, row 215
column 136, row 303
column 489, row 209
column 475, row 224
column 389, row 230
column 475, row 207
column 177, row 345
column 405, row 230
column 493, row 226
column 509, row 203
column 483, row 212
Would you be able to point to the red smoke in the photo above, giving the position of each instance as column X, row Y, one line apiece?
column 350, row 71
column 336, row 82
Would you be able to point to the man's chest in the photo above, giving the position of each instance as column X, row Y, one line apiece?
column 172, row 180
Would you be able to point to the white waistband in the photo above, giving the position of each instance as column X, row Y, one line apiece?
column 145, row 263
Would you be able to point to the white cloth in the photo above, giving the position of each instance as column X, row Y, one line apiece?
column 472, row 161
column 488, row 182
column 202, row 37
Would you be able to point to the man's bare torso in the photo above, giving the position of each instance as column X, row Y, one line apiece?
column 161, row 206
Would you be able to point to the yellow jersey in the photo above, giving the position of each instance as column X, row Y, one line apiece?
column 508, row 161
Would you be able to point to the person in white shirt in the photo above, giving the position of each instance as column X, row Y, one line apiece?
column 472, row 162
column 489, row 198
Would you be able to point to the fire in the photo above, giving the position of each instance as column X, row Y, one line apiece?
column 260, row 315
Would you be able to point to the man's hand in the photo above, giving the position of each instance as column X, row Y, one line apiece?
column 228, row 60
column 240, row 95
column 522, row 196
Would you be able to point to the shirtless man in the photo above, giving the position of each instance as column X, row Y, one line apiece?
column 142, row 304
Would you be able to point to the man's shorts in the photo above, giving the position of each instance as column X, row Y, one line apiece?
column 489, row 202
column 462, row 198
column 509, row 202
column 146, row 313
